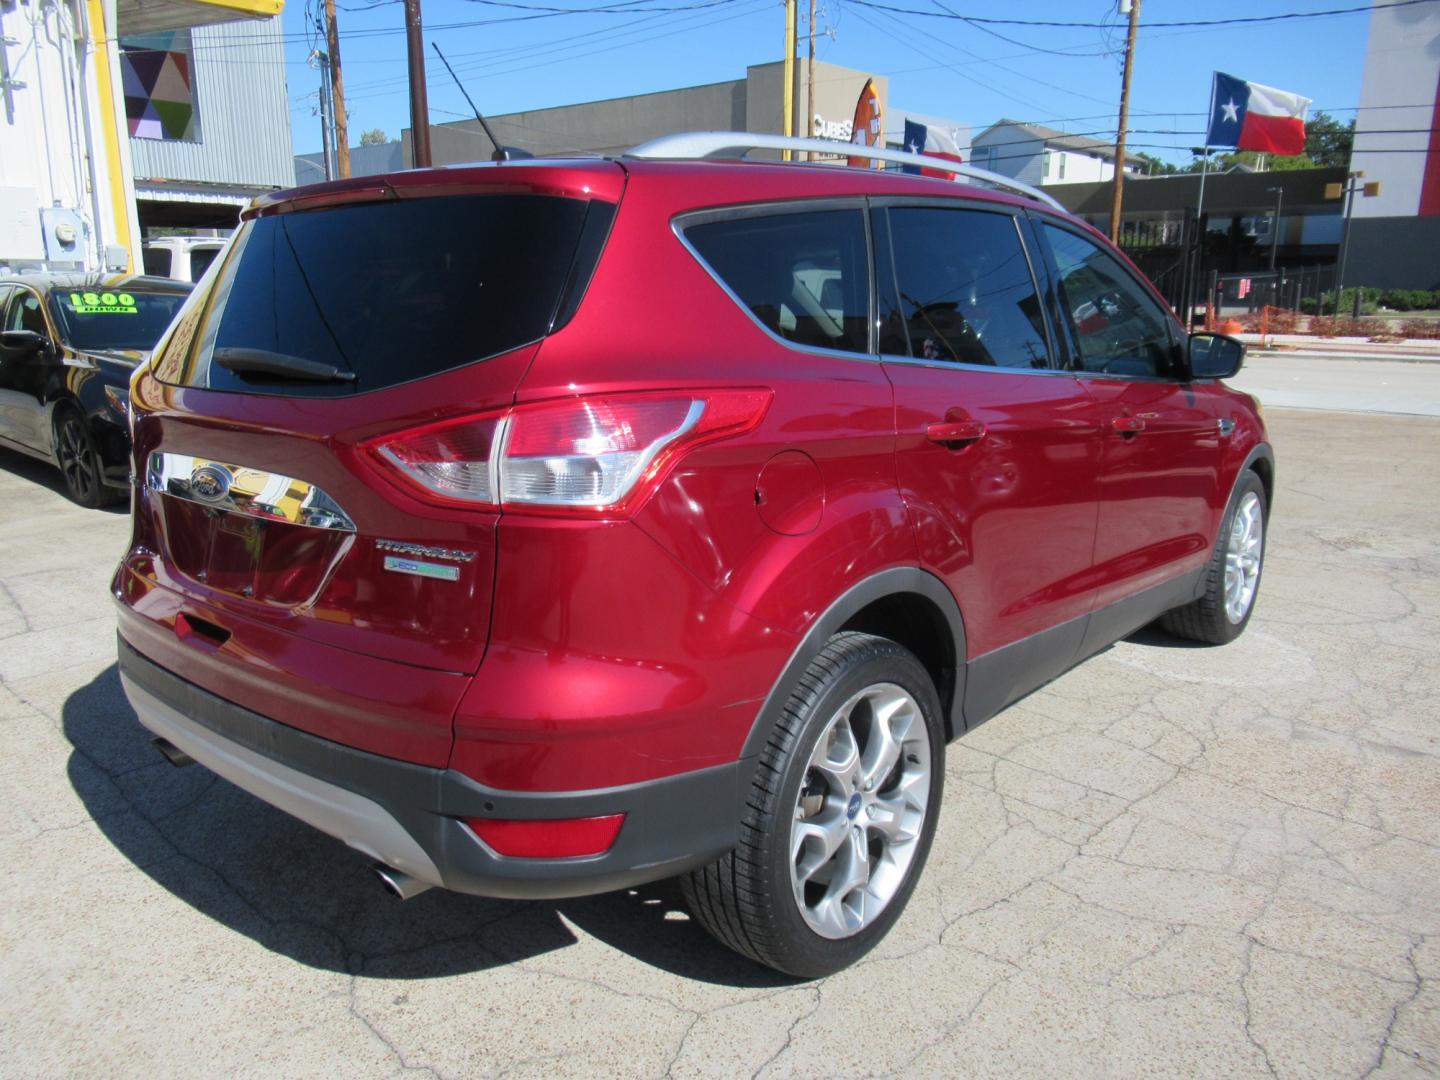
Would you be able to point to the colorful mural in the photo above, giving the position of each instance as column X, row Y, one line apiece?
column 159, row 87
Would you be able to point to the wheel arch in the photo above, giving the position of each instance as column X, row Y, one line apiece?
column 1261, row 461
column 905, row 604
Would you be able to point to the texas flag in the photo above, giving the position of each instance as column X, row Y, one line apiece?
column 1249, row 116
column 936, row 142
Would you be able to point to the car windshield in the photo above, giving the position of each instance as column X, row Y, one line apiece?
column 121, row 318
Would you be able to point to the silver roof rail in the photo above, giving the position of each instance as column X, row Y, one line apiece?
column 730, row 144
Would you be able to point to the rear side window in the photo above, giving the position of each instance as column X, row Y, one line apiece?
column 200, row 260
column 804, row 276
column 966, row 295
column 391, row 291
column 157, row 261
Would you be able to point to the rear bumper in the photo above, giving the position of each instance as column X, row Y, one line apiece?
column 410, row 816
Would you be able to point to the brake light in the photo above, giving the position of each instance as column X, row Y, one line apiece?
column 594, row 455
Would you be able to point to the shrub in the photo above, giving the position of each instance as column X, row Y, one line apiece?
column 1283, row 321
column 1423, row 329
column 1339, row 326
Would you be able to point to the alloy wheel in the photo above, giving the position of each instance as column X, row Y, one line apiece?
column 77, row 462
column 1242, row 557
column 860, row 811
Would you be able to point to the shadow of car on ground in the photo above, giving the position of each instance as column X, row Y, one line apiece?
column 45, row 475
column 302, row 894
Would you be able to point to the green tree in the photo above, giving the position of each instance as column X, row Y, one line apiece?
column 373, row 137
column 1328, row 141
column 1155, row 166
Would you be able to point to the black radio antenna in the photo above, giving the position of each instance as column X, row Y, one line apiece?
column 500, row 153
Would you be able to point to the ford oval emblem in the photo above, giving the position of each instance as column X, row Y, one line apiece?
column 210, row 483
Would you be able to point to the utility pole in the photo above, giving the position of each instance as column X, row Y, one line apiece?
column 810, row 82
column 1124, row 118
column 322, row 62
column 419, row 104
column 337, row 93
column 788, row 94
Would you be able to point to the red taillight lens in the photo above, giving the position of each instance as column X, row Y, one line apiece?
column 596, row 455
column 449, row 460
column 561, row 838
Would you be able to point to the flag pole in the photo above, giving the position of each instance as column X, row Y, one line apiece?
column 1204, row 168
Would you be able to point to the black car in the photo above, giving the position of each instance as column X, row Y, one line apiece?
column 68, row 343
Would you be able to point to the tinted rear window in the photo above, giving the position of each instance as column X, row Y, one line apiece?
column 391, row 291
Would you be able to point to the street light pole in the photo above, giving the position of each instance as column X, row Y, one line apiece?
column 1275, row 225
column 1345, row 236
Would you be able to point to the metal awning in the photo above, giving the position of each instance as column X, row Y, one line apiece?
column 148, row 16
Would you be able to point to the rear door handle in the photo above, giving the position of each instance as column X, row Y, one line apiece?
column 951, row 432
column 1126, row 425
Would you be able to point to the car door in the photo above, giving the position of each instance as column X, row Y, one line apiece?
column 7, row 431
column 22, row 374
column 997, row 447
column 1160, row 466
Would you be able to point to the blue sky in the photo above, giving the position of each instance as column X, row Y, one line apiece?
column 1066, row 77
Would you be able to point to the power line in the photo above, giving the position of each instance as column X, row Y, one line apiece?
column 1056, row 24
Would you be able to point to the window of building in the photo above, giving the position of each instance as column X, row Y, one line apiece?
column 804, row 276
column 1119, row 327
column 963, row 290
column 1045, row 165
column 1062, row 165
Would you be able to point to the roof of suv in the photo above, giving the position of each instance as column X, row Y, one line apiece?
column 696, row 183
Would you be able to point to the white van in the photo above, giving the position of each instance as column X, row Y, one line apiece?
column 185, row 258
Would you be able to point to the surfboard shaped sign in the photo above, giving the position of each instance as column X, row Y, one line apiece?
column 869, row 126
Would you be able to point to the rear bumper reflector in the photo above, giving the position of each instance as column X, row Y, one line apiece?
column 558, row 838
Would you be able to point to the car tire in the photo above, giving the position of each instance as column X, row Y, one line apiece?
column 839, row 818
column 80, row 462
column 1232, row 579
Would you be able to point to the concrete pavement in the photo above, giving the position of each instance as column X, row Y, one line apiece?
column 1337, row 382
column 1171, row 861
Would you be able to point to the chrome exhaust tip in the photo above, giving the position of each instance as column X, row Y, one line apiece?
column 398, row 883
column 173, row 753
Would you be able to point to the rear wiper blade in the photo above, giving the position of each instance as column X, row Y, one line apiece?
column 283, row 365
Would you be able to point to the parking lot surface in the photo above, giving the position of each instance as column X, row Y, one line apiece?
column 1172, row 861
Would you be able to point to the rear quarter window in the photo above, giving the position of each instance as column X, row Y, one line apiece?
column 803, row 275
column 391, row 291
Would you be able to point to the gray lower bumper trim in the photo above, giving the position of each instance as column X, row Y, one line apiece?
column 361, row 823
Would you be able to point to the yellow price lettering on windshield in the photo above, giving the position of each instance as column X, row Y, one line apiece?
column 103, row 303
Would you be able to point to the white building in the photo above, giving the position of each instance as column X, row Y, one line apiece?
column 1042, row 156
column 73, row 101
column 1395, row 235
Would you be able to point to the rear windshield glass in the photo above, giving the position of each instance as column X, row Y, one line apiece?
column 387, row 292
column 99, row 318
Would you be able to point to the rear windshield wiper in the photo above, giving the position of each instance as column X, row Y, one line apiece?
column 244, row 361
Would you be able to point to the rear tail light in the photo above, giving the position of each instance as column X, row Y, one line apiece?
column 449, row 460
column 560, row 838
column 597, row 455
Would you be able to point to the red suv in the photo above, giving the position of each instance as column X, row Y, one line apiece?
column 543, row 528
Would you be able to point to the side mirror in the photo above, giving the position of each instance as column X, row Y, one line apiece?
column 1214, row 356
column 22, row 342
